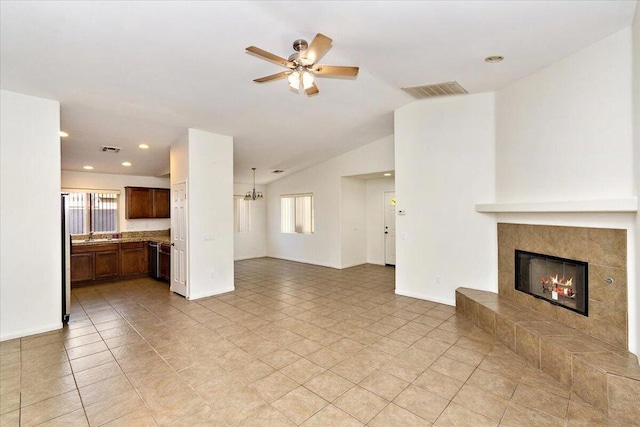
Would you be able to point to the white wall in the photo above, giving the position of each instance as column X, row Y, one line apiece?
column 252, row 244
column 100, row 181
column 577, row 113
column 634, row 291
column 179, row 160
column 30, row 242
column 375, row 218
column 444, row 166
column 324, row 181
column 210, row 210
column 564, row 133
column 353, row 198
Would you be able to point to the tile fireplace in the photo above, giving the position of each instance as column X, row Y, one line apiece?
column 605, row 251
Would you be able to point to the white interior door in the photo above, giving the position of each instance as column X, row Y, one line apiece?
column 390, row 227
column 179, row 239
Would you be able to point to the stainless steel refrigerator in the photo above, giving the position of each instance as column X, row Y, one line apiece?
column 66, row 259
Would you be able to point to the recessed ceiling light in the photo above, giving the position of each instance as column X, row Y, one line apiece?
column 493, row 59
column 387, row 174
column 143, row 146
column 126, row 163
column 63, row 134
column 87, row 167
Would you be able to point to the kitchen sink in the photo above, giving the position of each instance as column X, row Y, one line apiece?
column 101, row 240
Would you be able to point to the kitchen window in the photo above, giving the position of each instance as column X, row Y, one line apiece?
column 241, row 214
column 93, row 211
column 296, row 213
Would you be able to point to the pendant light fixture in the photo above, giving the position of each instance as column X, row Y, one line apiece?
column 253, row 194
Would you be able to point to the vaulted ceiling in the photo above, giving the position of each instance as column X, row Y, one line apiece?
column 127, row 73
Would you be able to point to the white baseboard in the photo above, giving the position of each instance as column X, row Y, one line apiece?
column 355, row 264
column 249, row 257
column 303, row 261
column 211, row 293
column 32, row 331
column 446, row 301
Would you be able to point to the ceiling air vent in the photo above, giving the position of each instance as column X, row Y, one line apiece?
column 108, row 149
column 438, row 89
column 277, row 171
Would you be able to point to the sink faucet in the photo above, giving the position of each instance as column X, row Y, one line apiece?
column 91, row 235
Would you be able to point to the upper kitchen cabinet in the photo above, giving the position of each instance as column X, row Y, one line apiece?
column 160, row 203
column 143, row 202
column 138, row 203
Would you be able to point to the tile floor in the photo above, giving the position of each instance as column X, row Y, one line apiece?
column 293, row 345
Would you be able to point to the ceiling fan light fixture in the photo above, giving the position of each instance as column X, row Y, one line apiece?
column 303, row 65
column 307, row 80
column 294, row 80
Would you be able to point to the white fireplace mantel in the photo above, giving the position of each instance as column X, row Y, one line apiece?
column 625, row 205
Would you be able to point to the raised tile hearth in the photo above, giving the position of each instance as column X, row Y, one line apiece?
column 601, row 374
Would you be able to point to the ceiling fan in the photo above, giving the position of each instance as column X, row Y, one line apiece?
column 302, row 65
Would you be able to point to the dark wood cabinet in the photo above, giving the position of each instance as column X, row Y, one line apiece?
column 106, row 264
column 143, row 202
column 91, row 263
column 133, row 258
column 94, row 262
column 81, row 267
column 138, row 202
column 160, row 202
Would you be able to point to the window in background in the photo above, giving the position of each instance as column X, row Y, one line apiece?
column 241, row 214
column 296, row 213
column 93, row 212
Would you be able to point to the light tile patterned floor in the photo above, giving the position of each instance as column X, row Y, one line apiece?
column 295, row 344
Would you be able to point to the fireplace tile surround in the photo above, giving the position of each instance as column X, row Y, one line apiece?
column 606, row 252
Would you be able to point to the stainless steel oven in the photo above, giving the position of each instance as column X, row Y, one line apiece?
column 154, row 260
column 164, row 262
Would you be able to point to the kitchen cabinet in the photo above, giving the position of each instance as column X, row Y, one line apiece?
column 133, row 258
column 94, row 262
column 81, row 267
column 160, row 203
column 143, row 202
column 105, row 264
column 138, row 202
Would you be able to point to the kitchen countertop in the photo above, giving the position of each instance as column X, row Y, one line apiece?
column 103, row 241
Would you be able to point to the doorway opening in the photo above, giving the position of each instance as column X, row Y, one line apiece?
column 390, row 228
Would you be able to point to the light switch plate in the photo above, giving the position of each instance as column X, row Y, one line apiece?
column 402, row 212
column 208, row 236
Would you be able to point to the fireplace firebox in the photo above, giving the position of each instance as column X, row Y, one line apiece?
column 560, row 281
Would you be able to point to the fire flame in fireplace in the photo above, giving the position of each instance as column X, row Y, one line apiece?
column 560, row 286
